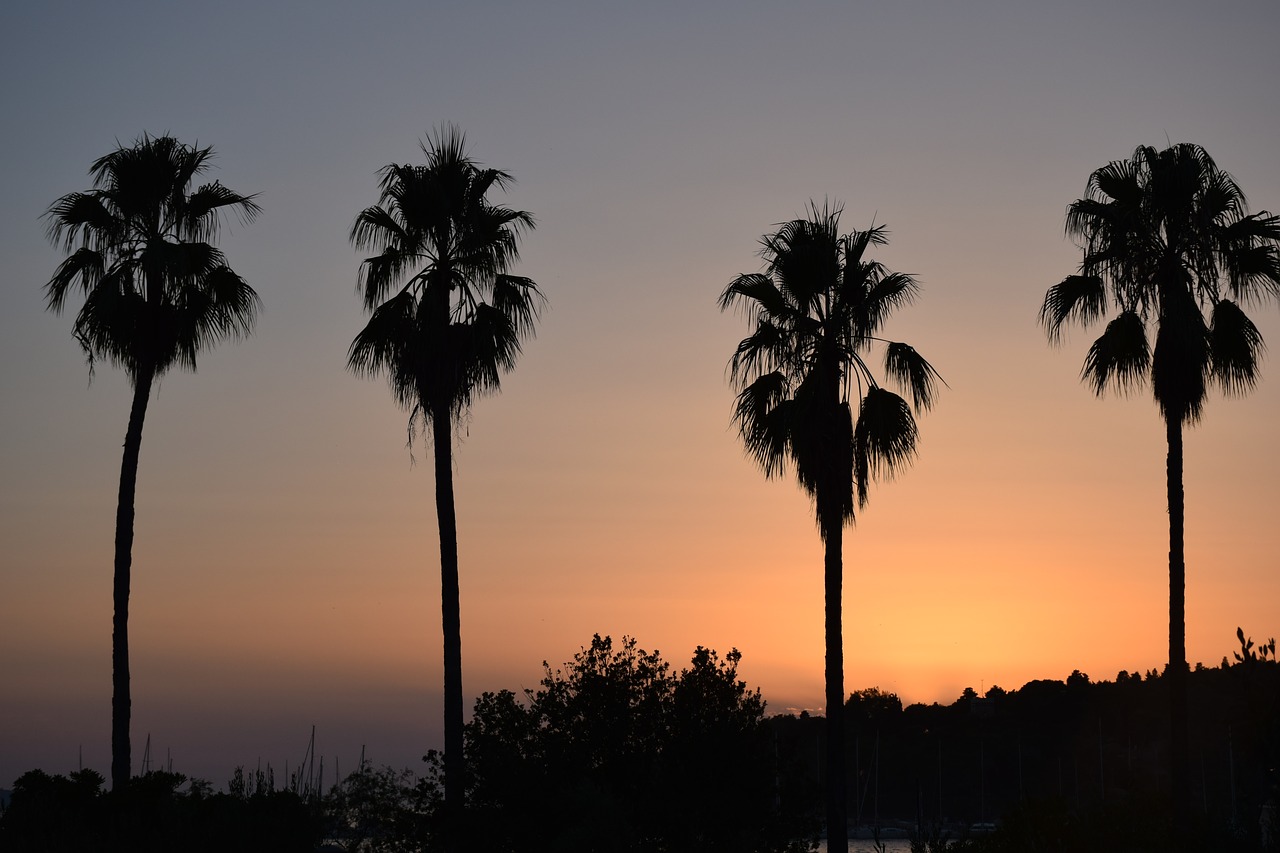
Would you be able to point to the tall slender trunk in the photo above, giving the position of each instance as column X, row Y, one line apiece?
column 121, row 704
column 454, row 785
column 837, row 804
column 1179, row 728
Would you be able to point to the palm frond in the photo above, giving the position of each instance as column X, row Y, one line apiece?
column 910, row 370
column 490, row 347
column 199, row 221
column 766, row 349
column 446, row 147
column 84, row 266
column 757, row 292
column 1082, row 298
column 884, row 439
column 1120, row 356
column 1250, row 247
column 397, row 182
column 183, row 163
column 1262, row 226
column 1117, row 181
column 386, row 344
column 519, row 300
column 857, row 242
column 891, row 290
column 483, row 180
column 378, row 229
column 110, row 323
column 489, row 245
column 764, row 415
column 1253, row 274
column 803, row 260
column 224, row 306
column 380, row 274
column 1088, row 216
column 1220, row 199
column 1235, row 345
column 218, row 305
column 77, row 214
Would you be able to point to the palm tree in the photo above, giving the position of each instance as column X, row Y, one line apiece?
column 1168, row 243
column 817, row 310
column 447, row 321
column 156, row 294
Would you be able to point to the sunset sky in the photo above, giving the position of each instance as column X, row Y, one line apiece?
column 286, row 569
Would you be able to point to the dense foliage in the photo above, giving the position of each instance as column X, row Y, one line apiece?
column 1069, row 765
column 158, row 812
column 617, row 752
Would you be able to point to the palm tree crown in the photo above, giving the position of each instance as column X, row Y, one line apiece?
column 817, row 311
column 156, row 291
column 1168, row 243
column 447, row 318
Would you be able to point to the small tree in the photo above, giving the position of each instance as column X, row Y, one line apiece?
column 627, row 755
column 376, row 811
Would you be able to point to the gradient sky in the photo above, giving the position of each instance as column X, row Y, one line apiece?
column 286, row 563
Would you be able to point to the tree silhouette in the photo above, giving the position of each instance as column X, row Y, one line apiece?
column 617, row 751
column 156, row 293
column 447, row 321
column 802, row 372
column 1168, row 243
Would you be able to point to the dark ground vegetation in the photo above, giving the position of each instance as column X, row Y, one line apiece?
column 616, row 751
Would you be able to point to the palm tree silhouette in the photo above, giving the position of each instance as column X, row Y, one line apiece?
column 1168, row 242
column 156, row 293
column 816, row 312
column 447, row 321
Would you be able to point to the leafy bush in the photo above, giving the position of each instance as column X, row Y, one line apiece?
column 617, row 752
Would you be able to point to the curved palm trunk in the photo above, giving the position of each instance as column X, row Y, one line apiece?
column 121, row 704
column 442, row 437
column 1178, row 723
column 837, row 806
